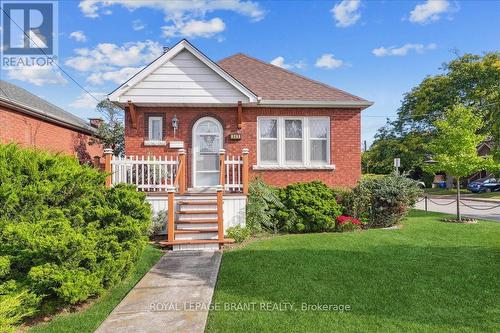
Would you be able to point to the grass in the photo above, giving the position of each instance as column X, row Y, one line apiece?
column 444, row 191
column 441, row 191
column 89, row 319
column 429, row 276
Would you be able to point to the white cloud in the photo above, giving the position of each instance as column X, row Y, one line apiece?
column 194, row 28
column 280, row 62
column 403, row 50
column 429, row 11
column 37, row 75
column 183, row 18
column 346, row 13
column 106, row 56
column 85, row 101
column 138, row 25
column 79, row 36
column 111, row 62
column 117, row 76
column 328, row 61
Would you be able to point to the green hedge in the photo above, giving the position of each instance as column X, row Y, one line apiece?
column 64, row 237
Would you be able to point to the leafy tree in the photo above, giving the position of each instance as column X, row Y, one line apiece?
column 471, row 80
column 110, row 133
column 454, row 147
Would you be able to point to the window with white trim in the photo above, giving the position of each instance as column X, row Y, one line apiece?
column 155, row 128
column 293, row 141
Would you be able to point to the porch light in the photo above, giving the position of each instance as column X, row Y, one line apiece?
column 175, row 124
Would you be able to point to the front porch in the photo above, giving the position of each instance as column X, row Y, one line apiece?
column 197, row 217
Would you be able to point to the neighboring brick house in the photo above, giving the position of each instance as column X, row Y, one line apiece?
column 296, row 129
column 33, row 122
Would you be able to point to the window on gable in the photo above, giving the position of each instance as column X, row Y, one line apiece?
column 294, row 141
column 155, row 125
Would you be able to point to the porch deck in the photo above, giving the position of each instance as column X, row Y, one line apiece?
column 196, row 217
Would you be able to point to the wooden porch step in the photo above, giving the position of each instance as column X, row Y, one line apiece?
column 197, row 203
column 195, row 231
column 196, row 241
column 208, row 211
column 196, row 221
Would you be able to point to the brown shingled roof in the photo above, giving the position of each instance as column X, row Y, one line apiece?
column 275, row 83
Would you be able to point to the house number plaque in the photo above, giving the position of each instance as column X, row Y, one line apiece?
column 235, row 136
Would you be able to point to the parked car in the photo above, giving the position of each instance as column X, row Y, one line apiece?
column 487, row 184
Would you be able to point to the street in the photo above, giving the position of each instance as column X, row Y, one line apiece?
column 476, row 209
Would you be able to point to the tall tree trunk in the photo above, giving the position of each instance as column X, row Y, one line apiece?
column 459, row 217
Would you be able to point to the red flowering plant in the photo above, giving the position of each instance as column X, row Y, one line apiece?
column 348, row 223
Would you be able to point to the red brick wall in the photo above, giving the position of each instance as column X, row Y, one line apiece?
column 33, row 132
column 345, row 133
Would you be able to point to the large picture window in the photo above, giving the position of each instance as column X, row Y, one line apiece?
column 293, row 141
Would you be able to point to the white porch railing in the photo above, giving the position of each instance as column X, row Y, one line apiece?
column 163, row 173
column 150, row 174
column 234, row 167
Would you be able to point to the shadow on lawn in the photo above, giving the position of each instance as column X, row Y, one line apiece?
column 428, row 285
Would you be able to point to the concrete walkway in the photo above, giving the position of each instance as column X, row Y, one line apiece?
column 174, row 296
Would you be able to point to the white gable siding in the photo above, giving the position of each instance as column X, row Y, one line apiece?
column 184, row 79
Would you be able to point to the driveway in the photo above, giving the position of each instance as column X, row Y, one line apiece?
column 481, row 209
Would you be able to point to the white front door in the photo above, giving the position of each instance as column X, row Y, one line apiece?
column 207, row 141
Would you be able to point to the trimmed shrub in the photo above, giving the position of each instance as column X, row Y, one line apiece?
column 311, row 207
column 65, row 235
column 383, row 202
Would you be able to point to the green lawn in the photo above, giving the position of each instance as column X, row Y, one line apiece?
column 429, row 276
column 89, row 319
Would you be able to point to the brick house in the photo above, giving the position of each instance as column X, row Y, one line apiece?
column 286, row 127
column 31, row 121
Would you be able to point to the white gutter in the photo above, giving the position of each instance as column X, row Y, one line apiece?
column 327, row 104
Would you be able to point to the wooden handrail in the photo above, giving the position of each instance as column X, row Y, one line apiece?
column 220, row 213
column 171, row 215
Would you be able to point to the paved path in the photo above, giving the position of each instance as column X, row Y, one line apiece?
column 479, row 209
column 174, row 296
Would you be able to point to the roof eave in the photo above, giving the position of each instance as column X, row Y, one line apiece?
column 316, row 104
column 43, row 115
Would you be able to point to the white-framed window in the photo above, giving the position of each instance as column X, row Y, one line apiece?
column 155, row 129
column 293, row 141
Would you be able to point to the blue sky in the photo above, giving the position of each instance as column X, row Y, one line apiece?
column 375, row 49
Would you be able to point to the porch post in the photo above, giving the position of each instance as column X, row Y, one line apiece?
column 108, row 153
column 171, row 215
column 222, row 171
column 182, row 171
column 244, row 171
column 220, row 213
